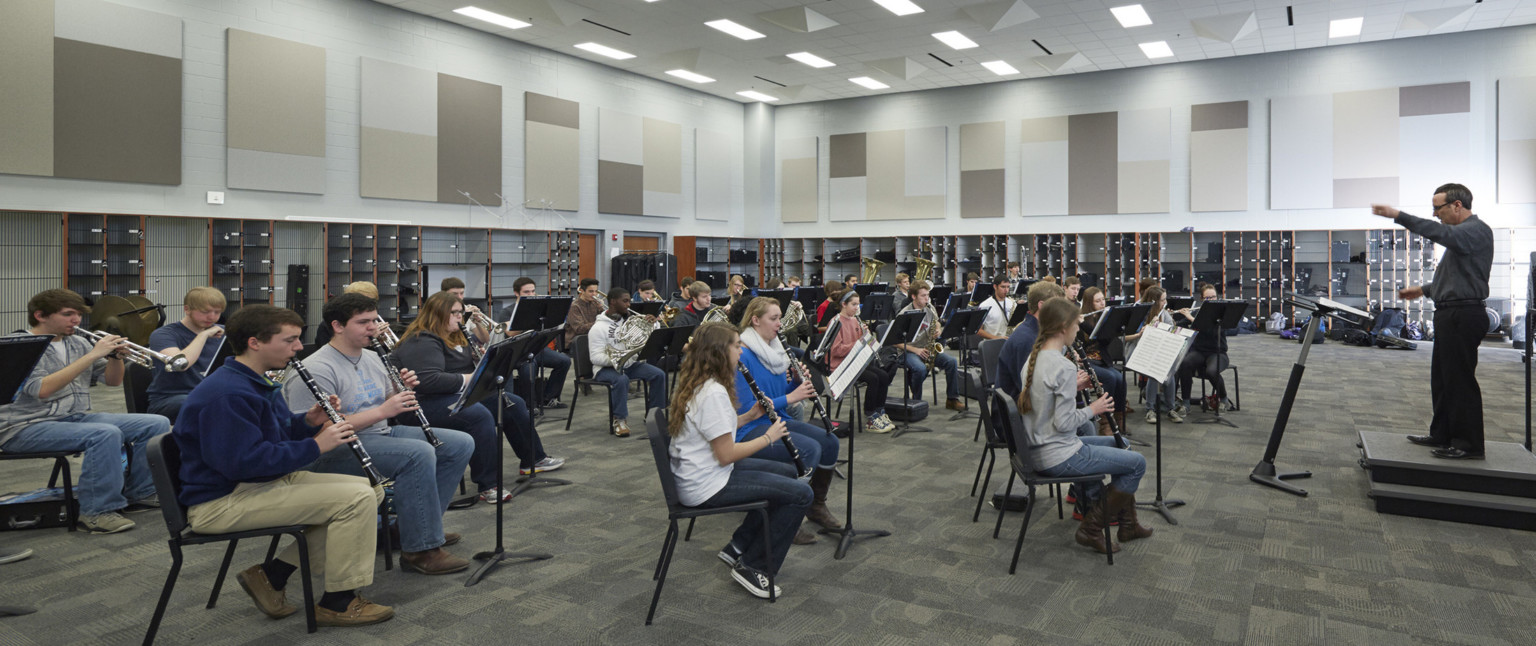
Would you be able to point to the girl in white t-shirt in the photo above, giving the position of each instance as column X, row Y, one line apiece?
column 712, row 469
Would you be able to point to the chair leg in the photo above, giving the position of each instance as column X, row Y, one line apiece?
column 1109, row 553
column 53, row 478
column 689, row 536
column 385, row 540
column 272, row 549
column 665, row 545
column 571, row 414
column 218, row 581
column 1237, row 390
column 165, row 593
column 1018, row 545
column 977, row 435
column 1056, row 490
column 979, row 465
column 1002, row 510
column 986, row 485
column 71, row 506
column 309, row 587
column 663, row 564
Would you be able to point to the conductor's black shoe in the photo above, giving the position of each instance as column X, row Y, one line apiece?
column 1427, row 440
column 1453, row 453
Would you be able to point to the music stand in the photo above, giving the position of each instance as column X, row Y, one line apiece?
column 1265, row 472
column 825, row 346
column 981, row 292
column 1157, row 356
column 810, row 297
column 721, row 301
column 539, row 313
column 962, row 324
column 225, row 351
column 1116, row 322
column 19, row 352
column 940, row 293
column 1017, row 317
column 954, row 303
column 783, row 296
column 1022, row 285
column 843, row 380
column 865, row 289
column 1180, row 302
column 879, row 306
column 1214, row 317
column 648, row 308
column 904, row 330
column 489, row 378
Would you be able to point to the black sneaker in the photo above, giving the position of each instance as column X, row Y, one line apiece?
column 730, row 554
column 754, row 581
column 554, row 404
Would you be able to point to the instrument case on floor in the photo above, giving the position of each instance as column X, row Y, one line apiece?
column 912, row 411
column 38, row 509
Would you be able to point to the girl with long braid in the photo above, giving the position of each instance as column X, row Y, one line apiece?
column 1051, row 416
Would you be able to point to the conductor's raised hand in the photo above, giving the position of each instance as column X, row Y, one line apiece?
column 1384, row 210
column 334, row 435
column 1411, row 292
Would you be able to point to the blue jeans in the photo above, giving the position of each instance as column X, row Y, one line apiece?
column 817, row 447
column 101, row 436
column 559, row 365
column 1099, row 455
column 618, row 395
column 1113, row 382
column 753, row 479
column 917, row 373
column 479, row 421
column 1161, row 394
column 425, row 478
column 167, row 406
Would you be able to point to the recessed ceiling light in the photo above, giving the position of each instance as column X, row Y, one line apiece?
column 1131, row 15
column 955, row 39
column 1345, row 27
column 1000, row 68
column 691, row 76
column 900, row 7
column 735, row 29
column 605, row 50
column 811, row 59
column 757, row 96
column 869, row 82
column 492, row 17
column 1158, row 49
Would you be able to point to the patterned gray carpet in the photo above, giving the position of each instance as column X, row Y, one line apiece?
column 1246, row 564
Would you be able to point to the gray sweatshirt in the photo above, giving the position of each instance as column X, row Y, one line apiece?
column 1462, row 276
column 72, row 398
column 1054, row 416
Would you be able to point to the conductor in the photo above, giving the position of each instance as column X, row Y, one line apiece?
column 1458, row 289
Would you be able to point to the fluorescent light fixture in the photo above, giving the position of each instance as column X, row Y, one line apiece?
column 604, row 50
column 1131, row 15
column 492, row 17
column 691, row 76
column 955, row 39
column 811, row 59
column 756, row 96
column 869, row 82
column 900, row 7
column 1345, row 27
column 735, row 29
column 1000, row 68
column 1158, row 49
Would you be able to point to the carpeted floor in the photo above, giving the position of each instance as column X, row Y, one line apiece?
column 1246, row 564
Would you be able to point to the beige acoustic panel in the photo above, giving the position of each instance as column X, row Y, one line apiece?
column 552, row 165
column 1517, row 171
column 468, row 141
column 885, row 180
column 662, row 151
column 1365, row 136
column 1143, row 186
column 26, row 88
column 117, row 114
column 714, row 173
column 797, row 194
column 1218, row 170
column 276, row 114
column 981, row 146
column 398, row 165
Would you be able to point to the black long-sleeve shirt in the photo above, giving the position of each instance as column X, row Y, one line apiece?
column 439, row 368
column 1462, row 276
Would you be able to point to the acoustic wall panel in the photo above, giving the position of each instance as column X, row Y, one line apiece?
column 714, row 172
column 91, row 90
column 639, row 165
column 275, row 114
column 1352, row 149
column 981, row 170
column 1095, row 164
column 1218, row 157
column 1144, row 147
column 429, row 137
column 663, row 178
column 552, row 151
column 798, row 186
column 1517, row 140
column 889, row 175
column 1043, row 169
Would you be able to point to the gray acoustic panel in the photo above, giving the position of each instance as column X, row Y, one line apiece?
column 117, row 114
column 468, row 141
column 275, row 129
column 1093, row 167
column 846, row 155
column 26, row 88
column 620, row 188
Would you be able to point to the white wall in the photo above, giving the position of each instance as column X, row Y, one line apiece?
column 1481, row 57
column 348, row 30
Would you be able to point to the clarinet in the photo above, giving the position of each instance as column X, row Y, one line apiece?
column 804, row 375
column 394, row 378
column 1096, row 390
column 471, row 342
column 374, row 477
column 773, row 418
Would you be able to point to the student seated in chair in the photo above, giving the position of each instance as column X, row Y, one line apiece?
column 197, row 335
column 605, row 336
column 547, row 357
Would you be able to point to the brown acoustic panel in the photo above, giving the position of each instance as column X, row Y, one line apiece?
column 26, row 88
column 468, row 141
column 550, row 110
column 981, row 193
column 1219, row 116
column 1093, row 167
column 276, row 95
column 1444, row 98
column 117, row 114
column 847, row 155
column 620, row 188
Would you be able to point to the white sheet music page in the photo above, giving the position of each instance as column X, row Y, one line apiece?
column 1161, row 348
column 849, row 370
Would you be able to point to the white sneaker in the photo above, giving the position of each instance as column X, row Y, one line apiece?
column 494, row 496
column 877, row 424
column 1151, row 417
column 1176, row 417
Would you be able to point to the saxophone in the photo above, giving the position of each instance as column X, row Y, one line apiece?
column 626, row 339
column 934, row 347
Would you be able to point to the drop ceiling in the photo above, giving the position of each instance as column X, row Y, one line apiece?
column 1037, row 37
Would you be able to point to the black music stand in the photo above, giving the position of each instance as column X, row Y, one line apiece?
column 1176, row 303
column 648, row 308
column 1167, row 367
column 1017, row 317
column 865, row 289
column 1266, row 472
column 952, row 304
column 940, row 294
column 21, row 353
column 1115, row 323
column 665, row 341
column 1022, row 285
column 540, row 313
column 904, row 330
column 488, row 381
column 879, row 306
column 847, row 533
column 783, row 296
column 980, row 293
column 1213, row 318
column 964, row 323
column 528, row 345
column 810, row 297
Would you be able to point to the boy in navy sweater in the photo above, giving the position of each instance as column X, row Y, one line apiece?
column 241, row 452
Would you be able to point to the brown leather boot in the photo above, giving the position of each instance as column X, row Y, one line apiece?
column 955, row 404
column 804, row 536
column 818, row 513
column 1091, row 532
column 433, row 561
column 1125, row 505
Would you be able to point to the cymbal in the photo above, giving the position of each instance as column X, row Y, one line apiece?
column 111, row 314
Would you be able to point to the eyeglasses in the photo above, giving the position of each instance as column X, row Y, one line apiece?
column 1440, row 206
column 459, row 312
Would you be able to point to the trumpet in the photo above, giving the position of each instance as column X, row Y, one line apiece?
column 139, row 354
column 480, row 320
column 386, row 334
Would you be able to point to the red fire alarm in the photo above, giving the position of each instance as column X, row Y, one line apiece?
column 615, row 237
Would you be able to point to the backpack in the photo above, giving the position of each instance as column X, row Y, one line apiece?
column 1352, row 336
column 1275, row 324
column 1390, row 320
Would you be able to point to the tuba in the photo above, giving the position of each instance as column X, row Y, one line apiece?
column 626, row 339
column 924, row 265
column 871, row 268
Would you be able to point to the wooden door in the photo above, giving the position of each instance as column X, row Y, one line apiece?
column 586, row 260
column 640, row 243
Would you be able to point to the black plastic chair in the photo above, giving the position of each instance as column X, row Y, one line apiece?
column 991, row 350
column 1237, row 387
column 581, row 355
column 165, row 464
column 988, row 456
column 60, row 470
column 136, row 380
column 1010, row 425
column 660, row 443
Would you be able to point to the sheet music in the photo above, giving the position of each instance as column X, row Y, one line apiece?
column 1160, row 350
column 849, row 370
column 1335, row 305
column 215, row 363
